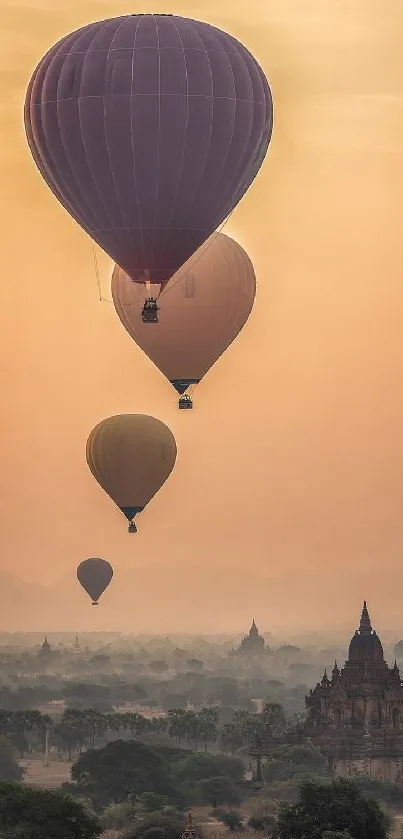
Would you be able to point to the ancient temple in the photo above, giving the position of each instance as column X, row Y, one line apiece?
column 355, row 717
column 252, row 644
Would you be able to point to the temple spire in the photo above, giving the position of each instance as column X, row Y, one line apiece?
column 189, row 831
column 325, row 679
column 365, row 623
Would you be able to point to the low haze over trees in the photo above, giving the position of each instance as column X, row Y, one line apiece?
column 152, row 729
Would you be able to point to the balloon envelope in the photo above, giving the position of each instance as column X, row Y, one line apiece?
column 202, row 310
column 149, row 129
column 94, row 575
column 131, row 456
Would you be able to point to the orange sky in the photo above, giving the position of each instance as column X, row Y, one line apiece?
column 289, row 477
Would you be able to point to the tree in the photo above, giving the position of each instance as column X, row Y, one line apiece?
column 94, row 722
column 263, row 822
column 87, row 692
column 165, row 824
column 231, row 738
column 109, row 775
column 151, row 802
column 118, row 816
column 288, row 761
column 247, row 724
column 384, row 791
column 10, row 770
column 32, row 723
column 336, row 806
column 273, row 717
column 115, row 722
column 157, row 725
column 232, row 820
column 225, row 690
column 74, row 728
column 193, row 728
column 29, row 813
column 336, row 834
column 173, row 701
column 67, row 737
column 137, row 724
column 195, row 664
column 192, row 767
column 18, row 730
column 177, row 725
column 217, row 791
column 5, row 721
column 208, row 719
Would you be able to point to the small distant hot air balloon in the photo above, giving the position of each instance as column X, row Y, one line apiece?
column 149, row 129
column 94, row 575
column 131, row 456
column 203, row 309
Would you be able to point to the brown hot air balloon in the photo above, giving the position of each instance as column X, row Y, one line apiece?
column 94, row 575
column 131, row 456
column 202, row 310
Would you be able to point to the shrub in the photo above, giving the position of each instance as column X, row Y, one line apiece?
column 117, row 816
column 232, row 820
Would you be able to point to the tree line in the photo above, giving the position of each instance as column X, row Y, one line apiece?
column 77, row 730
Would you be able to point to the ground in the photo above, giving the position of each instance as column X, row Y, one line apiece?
column 397, row 828
column 48, row 777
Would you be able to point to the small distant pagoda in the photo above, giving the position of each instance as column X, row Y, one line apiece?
column 45, row 648
column 189, row 831
column 252, row 644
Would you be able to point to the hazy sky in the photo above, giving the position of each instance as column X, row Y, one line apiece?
column 287, row 498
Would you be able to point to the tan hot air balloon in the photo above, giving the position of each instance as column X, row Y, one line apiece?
column 131, row 456
column 201, row 311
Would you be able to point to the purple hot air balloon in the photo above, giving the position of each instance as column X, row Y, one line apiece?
column 149, row 129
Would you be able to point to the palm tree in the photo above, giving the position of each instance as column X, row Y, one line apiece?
column 157, row 725
column 113, row 723
column 96, row 724
column 137, row 724
column 208, row 720
column 45, row 726
column 32, row 722
column 76, row 727
column 177, row 724
column 193, row 728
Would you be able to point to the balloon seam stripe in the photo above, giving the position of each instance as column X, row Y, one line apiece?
column 175, row 199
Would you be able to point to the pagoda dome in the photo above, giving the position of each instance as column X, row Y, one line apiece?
column 365, row 646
